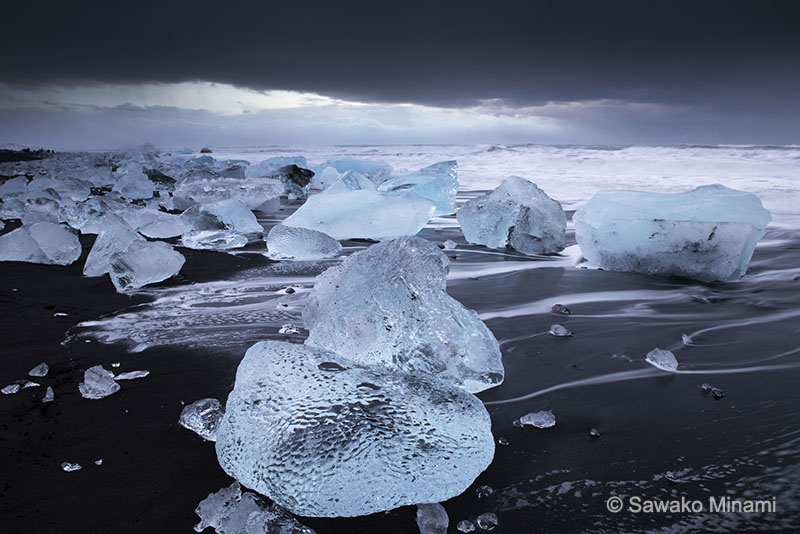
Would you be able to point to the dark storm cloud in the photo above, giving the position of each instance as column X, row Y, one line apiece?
column 721, row 55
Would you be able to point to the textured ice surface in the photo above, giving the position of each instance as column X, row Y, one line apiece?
column 325, row 436
column 663, row 359
column 432, row 519
column 518, row 215
column 40, row 370
column 542, row 419
column 388, row 305
column 41, row 242
column 707, row 234
column 293, row 243
column 437, row 182
column 350, row 181
column 202, row 417
column 115, row 237
column 144, row 263
column 363, row 214
column 213, row 240
column 98, row 383
column 11, row 389
column 232, row 511
column 160, row 225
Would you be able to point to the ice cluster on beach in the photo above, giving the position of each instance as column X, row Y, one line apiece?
column 388, row 305
column 708, row 234
column 516, row 215
column 382, row 438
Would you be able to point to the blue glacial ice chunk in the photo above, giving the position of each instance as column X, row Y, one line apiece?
column 233, row 511
column 363, row 214
column 708, row 234
column 292, row 243
column 324, row 436
column 432, row 519
column 256, row 194
column 377, row 171
column 223, row 215
column 134, row 184
column 116, row 236
column 214, row 240
column 350, row 181
column 14, row 187
column 270, row 166
column 388, row 305
column 437, row 182
column 516, row 215
column 40, row 370
column 98, row 383
column 144, row 263
column 41, row 242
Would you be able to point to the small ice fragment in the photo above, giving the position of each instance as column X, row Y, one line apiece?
column 10, row 389
column 432, row 519
column 517, row 423
column 594, row 433
column 233, row 511
column 503, row 441
column 487, row 521
column 662, row 359
column 706, row 388
column 289, row 290
column 69, row 467
column 202, row 417
column 483, row 491
column 40, row 370
column 450, row 244
column 49, row 395
column 541, row 419
column 560, row 308
column 98, row 462
column 465, row 526
column 115, row 364
column 60, row 314
column 717, row 393
column 288, row 329
column 131, row 375
column 687, row 340
column 28, row 384
column 98, row 383
column 559, row 331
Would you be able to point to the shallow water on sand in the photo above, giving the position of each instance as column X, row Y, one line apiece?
column 661, row 437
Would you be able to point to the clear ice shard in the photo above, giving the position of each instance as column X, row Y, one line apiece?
column 466, row 526
column 134, row 184
column 233, row 511
column 558, row 330
column 223, row 215
column 324, row 436
column 70, row 467
column 438, row 183
column 144, row 263
column 363, row 214
column 516, row 215
column 132, row 375
column 350, row 181
column 41, row 242
column 376, row 171
column 202, row 417
column 388, row 305
column 40, row 370
column 116, row 236
column 293, row 243
column 213, row 240
column 708, row 234
column 662, row 359
column 541, row 419
column 11, row 389
column 49, row 395
column 432, row 519
column 98, row 383
column 487, row 521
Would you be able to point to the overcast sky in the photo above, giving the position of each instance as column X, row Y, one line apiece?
column 108, row 74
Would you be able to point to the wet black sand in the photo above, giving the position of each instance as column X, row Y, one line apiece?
column 745, row 445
